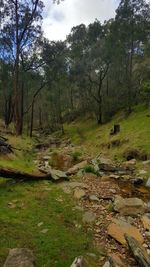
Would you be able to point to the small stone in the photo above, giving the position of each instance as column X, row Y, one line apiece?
column 44, row 231
column 79, row 262
column 94, row 198
column 89, row 217
column 40, row 224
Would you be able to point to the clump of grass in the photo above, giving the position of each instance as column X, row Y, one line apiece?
column 90, row 169
column 76, row 156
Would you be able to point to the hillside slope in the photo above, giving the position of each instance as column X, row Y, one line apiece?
column 134, row 134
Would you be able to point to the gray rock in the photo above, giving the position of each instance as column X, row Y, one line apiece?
column 148, row 183
column 20, row 257
column 94, row 198
column 89, row 217
column 128, row 206
column 57, row 175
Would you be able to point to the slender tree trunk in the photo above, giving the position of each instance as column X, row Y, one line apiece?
column 32, row 117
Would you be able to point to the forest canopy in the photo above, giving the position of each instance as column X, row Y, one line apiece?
column 98, row 70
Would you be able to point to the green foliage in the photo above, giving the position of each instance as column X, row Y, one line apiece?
column 76, row 155
column 146, row 92
column 89, row 169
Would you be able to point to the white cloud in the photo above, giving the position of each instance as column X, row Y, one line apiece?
column 59, row 19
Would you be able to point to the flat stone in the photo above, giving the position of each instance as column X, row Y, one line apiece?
column 58, row 175
column 79, row 193
column 89, row 217
column 146, row 223
column 76, row 168
column 118, row 228
column 128, row 206
column 20, row 257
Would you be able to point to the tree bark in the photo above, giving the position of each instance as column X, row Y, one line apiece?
column 138, row 251
column 14, row 174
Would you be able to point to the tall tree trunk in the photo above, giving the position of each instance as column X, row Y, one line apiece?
column 16, row 75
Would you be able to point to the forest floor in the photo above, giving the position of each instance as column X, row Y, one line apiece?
column 59, row 222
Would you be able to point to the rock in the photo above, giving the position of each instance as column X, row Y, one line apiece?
column 58, row 175
column 118, row 228
column 79, row 193
column 128, row 206
column 129, row 165
column 94, row 198
column 148, row 183
column 113, row 176
column 89, row 217
column 40, row 224
column 79, row 262
column 116, row 260
column 138, row 251
column 44, row 231
column 76, row 168
column 146, row 222
column 138, row 181
column 106, row 165
column 20, row 257
column 46, row 158
column 107, row 264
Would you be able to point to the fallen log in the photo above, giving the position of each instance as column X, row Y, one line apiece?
column 138, row 251
column 18, row 175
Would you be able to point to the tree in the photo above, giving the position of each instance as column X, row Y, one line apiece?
column 19, row 35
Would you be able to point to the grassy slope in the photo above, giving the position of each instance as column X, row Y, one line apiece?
column 135, row 128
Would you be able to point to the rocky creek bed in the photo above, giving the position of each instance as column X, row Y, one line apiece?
column 113, row 197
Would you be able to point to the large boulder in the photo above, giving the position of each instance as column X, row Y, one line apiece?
column 129, row 206
column 20, row 257
column 118, row 228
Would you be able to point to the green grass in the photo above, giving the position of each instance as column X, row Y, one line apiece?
column 135, row 129
column 34, row 203
column 22, row 158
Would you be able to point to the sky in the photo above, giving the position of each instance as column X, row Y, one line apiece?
column 59, row 19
